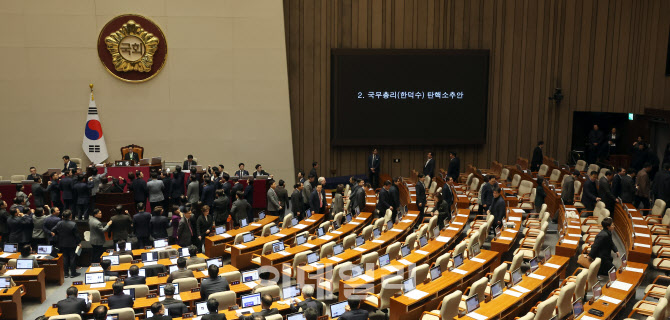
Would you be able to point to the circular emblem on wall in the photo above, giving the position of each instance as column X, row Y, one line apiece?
column 93, row 129
column 132, row 48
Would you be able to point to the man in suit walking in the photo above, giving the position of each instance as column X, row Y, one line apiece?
column 142, row 223
column 568, row 188
column 536, row 160
column 385, row 201
column 177, row 185
column 185, row 230
column 193, row 190
column 590, row 192
column 429, row 166
column 139, row 188
column 239, row 208
column 447, row 194
column 643, row 187
column 221, row 208
column 313, row 171
column 373, row 168
column 307, row 190
column 72, row 304
column 189, row 162
column 82, row 191
column 68, row 241
column 395, row 197
column 273, row 200
column 97, row 237
column 628, row 187
column 605, row 191
column 155, row 189
column 208, row 192
column 317, row 201
column 486, row 194
column 132, row 155
column 121, row 224
column 67, row 187
column 498, row 209
column 282, row 194
column 241, row 172
column 616, row 182
column 296, row 201
column 454, row 169
column 420, row 196
column 53, row 188
column 40, row 195
column 68, row 165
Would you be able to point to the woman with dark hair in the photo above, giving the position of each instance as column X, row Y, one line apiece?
column 338, row 200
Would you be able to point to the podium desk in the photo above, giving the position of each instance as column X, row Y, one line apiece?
column 215, row 246
column 10, row 303
column 53, row 268
column 33, row 280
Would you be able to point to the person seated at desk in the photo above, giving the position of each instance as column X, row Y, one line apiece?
column 182, row 272
column 241, row 173
column 72, row 304
column 213, row 308
column 310, row 314
column 3, row 269
column 194, row 259
column 132, row 155
column 119, row 299
column 266, row 304
column 353, row 311
column 25, row 254
column 122, row 249
column 175, row 308
column 213, row 283
column 135, row 277
column 308, row 303
column 106, row 265
column 100, row 313
column 260, row 172
column 158, row 310
column 188, row 163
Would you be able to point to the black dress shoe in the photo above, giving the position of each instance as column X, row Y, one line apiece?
column 76, row 274
column 67, row 275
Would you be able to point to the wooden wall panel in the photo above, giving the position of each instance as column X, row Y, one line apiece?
column 606, row 55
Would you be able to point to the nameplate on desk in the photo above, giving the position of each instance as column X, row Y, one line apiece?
column 643, row 235
column 162, row 274
column 336, row 259
column 77, row 283
column 54, row 305
column 300, row 226
column 104, row 301
column 95, row 269
column 5, row 255
column 135, row 261
column 459, row 271
column 195, row 289
column 187, row 315
column 150, row 296
column 536, row 276
column 642, row 245
column 232, row 283
column 256, row 225
column 366, row 278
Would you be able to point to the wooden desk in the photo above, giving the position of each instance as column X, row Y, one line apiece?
column 403, row 307
column 137, row 253
column 34, row 282
column 126, row 266
column 215, row 245
column 53, row 268
column 508, row 236
column 634, row 234
column 508, row 306
column 571, row 230
column 276, row 259
column 427, row 254
column 232, row 315
column 241, row 254
column 10, row 303
column 189, row 298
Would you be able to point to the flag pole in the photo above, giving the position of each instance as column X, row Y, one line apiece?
column 91, row 86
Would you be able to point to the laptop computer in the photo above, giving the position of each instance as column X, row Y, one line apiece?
column 348, row 218
column 243, row 223
column 547, row 254
column 458, row 260
column 143, row 272
column 312, row 257
column 294, row 222
column 10, row 247
column 160, row 243
column 577, row 308
column 301, row 239
column 308, row 213
column 475, row 250
column 356, row 270
column 376, row 233
column 220, row 230
column 336, row 225
column 277, row 247
column 274, row 229
column 290, row 292
column 360, row 241
column 251, row 300
column 389, row 225
column 130, row 292
column 5, row 283
column 337, row 309
column 201, row 308
column 183, row 252
column 516, row 276
column 161, row 289
column 215, row 261
column 113, row 259
column 296, row 316
column 597, row 291
column 384, row 260
column 533, row 264
column 472, row 303
column 405, row 251
column 149, row 256
column 44, row 249
column 83, row 296
column 93, row 278
column 436, row 232
column 408, row 285
column 248, row 237
column 250, row 275
column 423, row 241
column 320, row 232
column 24, row 263
column 337, row 249
column 496, row 289
column 261, row 215
column 435, row 272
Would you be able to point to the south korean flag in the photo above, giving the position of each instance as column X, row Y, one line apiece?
column 94, row 142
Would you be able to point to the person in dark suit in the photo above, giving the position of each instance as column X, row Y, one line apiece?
column 142, row 223
column 353, row 311
column 181, row 272
column 239, row 208
column 139, row 188
column 385, row 201
column 358, row 197
column 121, row 224
column 72, row 304
column 595, row 139
column 82, row 192
column 213, row 283
column 158, row 309
column 498, row 209
column 443, row 210
column 132, row 155
column 296, row 201
column 420, row 195
column 590, row 192
column 53, row 187
column 159, row 224
column 429, row 166
column 68, row 240
column 605, row 191
column 213, row 308
column 249, row 196
column 260, row 172
column 119, row 299
column 175, row 307
column 373, row 168
column 454, row 169
column 177, row 185
column 317, row 202
column 539, row 193
column 40, row 195
column 266, row 304
column 204, row 224
column 603, row 245
column 536, row 160
column 18, row 225
column 189, row 162
column 134, row 277
column 208, row 193
column 308, row 302
column 241, row 173
column 660, row 188
column 49, row 223
column 616, row 182
column 313, row 170
column 486, row 194
column 273, row 205
column 67, row 187
column 4, row 229
column 185, row 229
column 282, row 194
column 118, row 185
column 568, row 188
column 32, row 175
column 395, row 197
column 447, row 194
column 237, row 187
column 628, row 186
column 68, row 165
column 221, row 208
column 612, row 140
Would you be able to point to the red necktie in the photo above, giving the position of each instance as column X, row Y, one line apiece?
column 320, row 201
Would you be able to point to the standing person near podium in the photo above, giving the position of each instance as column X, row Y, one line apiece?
column 208, row 192
column 189, row 162
column 185, row 232
column 142, row 223
column 122, row 223
column 273, row 205
column 67, row 187
column 193, row 190
column 313, row 171
column 97, row 237
column 221, row 208
column 155, row 189
column 68, row 165
column 139, row 188
column 82, row 191
column 53, row 188
column 177, row 186
column 373, row 168
column 260, row 172
column 282, row 194
column 296, row 201
column 68, row 241
column 239, row 208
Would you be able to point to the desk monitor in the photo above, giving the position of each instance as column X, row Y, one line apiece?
column 577, row 308
column 612, row 275
column 496, row 289
column 83, row 296
column 294, row 222
column 320, row 232
column 220, row 230
column 44, row 249
column 116, row 316
column 10, row 247
column 5, row 283
column 250, row 275
column 472, row 303
column 498, row 231
column 408, row 285
column 301, row 239
column 143, row 272
column 423, row 241
column 458, row 260
column 360, row 241
column 336, row 225
column 145, row 162
column 183, row 252
column 248, row 237
column 216, row 261
column 160, row 243
column 597, row 291
column 24, row 263
column 113, row 259
column 277, row 247
column 547, row 254
column 376, row 233
column 149, row 256
column 251, row 300
column 516, row 276
column 312, row 257
column 129, row 247
column 274, row 229
column 337, row 249
column 173, row 268
column 389, row 225
column 337, row 309
column 436, row 232
column 161, row 289
column 348, row 217
column 435, row 272
column 296, row 316
column 475, row 250
column 149, row 314
column 290, row 292
column 384, row 260
column 130, row 292
column 405, row 251
column 243, row 223
column 201, row 308
column 624, row 261
column 308, row 213
column 356, row 270
column 533, row 264
column 261, row 215
column 93, row 278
